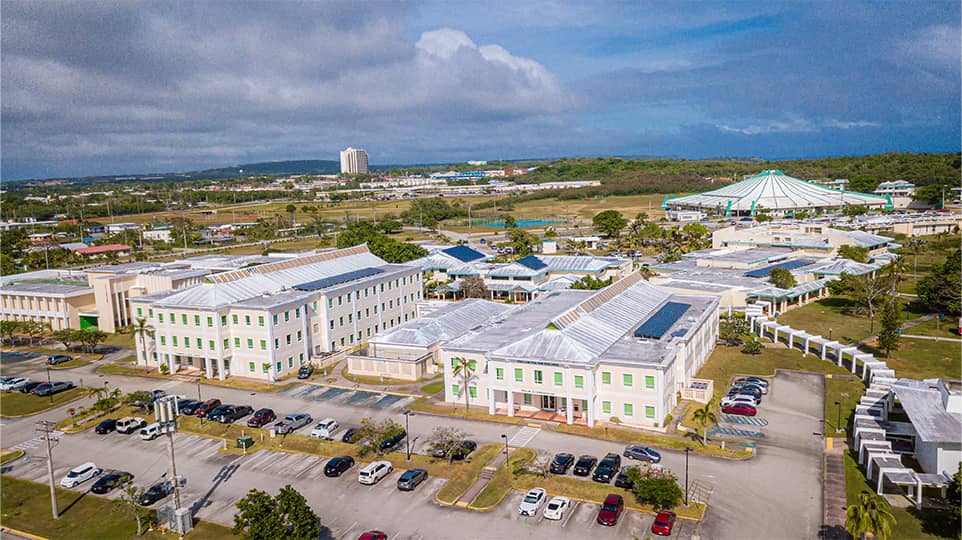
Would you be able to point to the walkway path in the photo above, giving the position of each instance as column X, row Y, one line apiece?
column 486, row 474
column 833, row 491
column 933, row 338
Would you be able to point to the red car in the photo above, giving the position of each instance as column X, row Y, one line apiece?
column 373, row 535
column 611, row 509
column 663, row 524
column 742, row 409
column 206, row 407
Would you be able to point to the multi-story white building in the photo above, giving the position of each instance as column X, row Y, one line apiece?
column 353, row 161
column 266, row 321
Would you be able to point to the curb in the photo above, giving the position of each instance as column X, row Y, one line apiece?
column 442, row 415
column 345, row 387
column 22, row 533
column 660, row 447
column 627, row 506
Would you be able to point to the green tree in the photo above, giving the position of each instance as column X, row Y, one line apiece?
column 610, row 222
column 446, row 441
column 522, row 241
column 705, row 417
column 852, row 210
column 463, row 370
column 660, row 491
column 143, row 330
column 752, row 347
column 782, row 278
column 67, row 336
column 591, row 283
column 869, row 515
column 915, row 244
column 129, row 495
column 954, row 497
column 888, row 334
column 855, row 253
column 863, row 183
column 733, row 330
column 474, row 287
column 510, row 222
column 372, row 432
column 291, row 209
column 90, row 338
column 941, row 290
column 301, row 523
column 257, row 517
column 380, row 244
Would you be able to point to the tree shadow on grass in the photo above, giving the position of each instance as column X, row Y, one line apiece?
column 936, row 521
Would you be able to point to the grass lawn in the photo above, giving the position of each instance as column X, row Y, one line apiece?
column 127, row 367
column 503, row 480
column 423, row 405
column 373, row 381
column 68, row 425
column 923, row 358
column 941, row 328
column 910, row 524
column 17, row 404
column 463, row 477
column 26, row 507
column 76, row 362
column 819, row 316
column 433, row 388
column 847, row 391
column 10, row 456
column 124, row 340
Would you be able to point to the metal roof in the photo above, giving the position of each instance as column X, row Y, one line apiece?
column 844, row 266
column 324, row 283
column 787, row 265
column 926, row 410
column 451, row 321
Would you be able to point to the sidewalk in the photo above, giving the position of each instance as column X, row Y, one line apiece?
column 486, row 473
column 833, row 490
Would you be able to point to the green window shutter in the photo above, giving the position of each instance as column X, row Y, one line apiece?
column 538, row 376
column 210, row 322
column 183, row 318
column 473, row 364
column 186, row 342
column 526, row 399
column 627, row 379
column 499, row 373
column 223, row 320
column 629, row 409
column 237, row 342
column 250, row 343
column 160, row 317
column 606, row 407
column 605, row 377
column 163, row 340
column 287, row 316
column 247, row 320
column 266, row 367
column 455, row 389
column 274, row 318
column 200, row 343
column 649, row 411
column 454, row 363
column 140, row 312
column 263, row 344
column 150, row 312
column 233, row 319
column 649, row 382
column 473, row 391
column 196, row 320
column 579, row 381
column 174, row 340
column 260, row 320
column 250, row 367
column 212, row 345
column 558, row 378
column 226, row 343
column 519, row 375
column 290, row 361
column 279, row 366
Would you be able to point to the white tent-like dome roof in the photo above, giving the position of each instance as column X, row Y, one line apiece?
column 776, row 191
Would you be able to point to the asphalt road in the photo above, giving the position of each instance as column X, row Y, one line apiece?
column 777, row 494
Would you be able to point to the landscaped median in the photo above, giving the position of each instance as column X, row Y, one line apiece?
column 16, row 404
column 76, row 362
column 128, row 368
column 76, row 425
column 654, row 439
column 502, row 482
column 9, row 456
column 423, row 405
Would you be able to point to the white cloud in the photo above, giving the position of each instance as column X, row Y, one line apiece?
column 936, row 45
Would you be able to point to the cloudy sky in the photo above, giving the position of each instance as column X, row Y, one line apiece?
column 127, row 87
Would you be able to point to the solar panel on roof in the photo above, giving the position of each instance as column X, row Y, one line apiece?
column 662, row 320
column 464, row 253
column 338, row 279
column 787, row 265
column 532, row 262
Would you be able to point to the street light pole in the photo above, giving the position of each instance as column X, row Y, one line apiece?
column 505, row 437
column 838, row 415
column 198, row 391
column 48, row 384
column 830, row 334
column 687, row 450
column 407, row 431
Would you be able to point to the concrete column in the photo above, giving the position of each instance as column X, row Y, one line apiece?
column 805, row 350
column 490, row 400
column 791, row 339
column 208, row 368
column 824, row 350
column 510, row 403
column 853, row 364
column 918, row 492
column 220, row 368
column 569, row 410
column 591, row 413
column 170, row 363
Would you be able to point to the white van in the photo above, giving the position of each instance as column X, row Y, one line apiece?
column 324, row 429
column 151, row 432
column 374, row 472
column 80, row 474
column 129, row 424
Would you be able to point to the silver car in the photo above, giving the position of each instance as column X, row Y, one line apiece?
column 292, row 422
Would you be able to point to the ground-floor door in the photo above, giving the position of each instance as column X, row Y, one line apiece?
column 549, row 403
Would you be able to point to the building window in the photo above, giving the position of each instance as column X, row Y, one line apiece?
column 330, row 303
column 212, row 345
column 247, row 320
column 210, row 322
column 473, row 391
column 233, row 319
column 297, row 313
column 367, row 312
column 526, row 399
column 274, row 319
column 196, row 320
column 332, row 324
column 200, row 343
column 290, row 361
column 579, row 381
column 287, row 316
column 250, row 367
column 558, row 378
column 538, row 376
column 150, row 312
column 606, row 407
column 277, row 343
column 650, row 382
column 358, row 315
column 140, row 312
column 340, row 321
column 160, row 317
column 266, row 367
column 368, row 332
column 314, row 305
column 223, row 320
column 352, row 338
column 173, row 339
column 288, row 338
column 350, row 317
column 499, row 373
column 236, row 342
column 629, row 410
column 279, row 367
column 263, row 344
column 518, row 375
column 605, row 377
column 183, row 318
column 260, row 320
column 299, row 335
column 163, row 340
column 250, row 343
column 342, row 342
column 226, row 343
column 649, row 412
column 627, row 379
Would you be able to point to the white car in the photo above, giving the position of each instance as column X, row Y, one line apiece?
column 324, row 429
column 557, row 507
column 374, row 472
column 150, row 432
column 740, row 398
column 19, row 385
column 532, row 502
column 11, row 383
column 80, row 474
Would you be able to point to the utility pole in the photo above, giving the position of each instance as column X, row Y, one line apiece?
column 165, row 411
column 45, row 427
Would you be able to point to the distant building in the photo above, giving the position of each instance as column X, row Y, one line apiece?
column 158, row 235
column 99, row 251
column 353, row 161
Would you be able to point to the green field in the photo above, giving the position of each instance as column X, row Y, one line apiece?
column 17, row 404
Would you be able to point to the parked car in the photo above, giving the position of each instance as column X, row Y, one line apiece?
column 461, row 452
column 190, row 409
column 48, row 389
column 742, row 409
column 55, row 359
column 155, row 493
column 292, row 422
column 336, row 466
column 30, row 387
column 739, row 398
column 663, row 524
column 561, row 463
column 390, row 442
column 753, row 380
column 305, row 372
column 12, row 383
column 350, row 436
column 157, row 394
column 324, row 429
column 642, row 453
column 374, row 472
column 183, row 404
column 204, row 408
column 532, row 502
column 584, row 465
column 557, row 507
column 233, row 413
column 611, row 510
column 214, row 414
column 623, row 480
column 261, row 418
column 106, row 426
column 752, row 386
column 150, row 432
column 411, row 479
column 373, row 535
column 130, row 424
column 80, row 474
column 607, row 468
column 110, row 481
column 746, row 389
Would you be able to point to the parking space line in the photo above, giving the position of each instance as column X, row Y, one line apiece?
column 571, row 511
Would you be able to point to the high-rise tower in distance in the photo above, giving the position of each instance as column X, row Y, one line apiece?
column 353, row 161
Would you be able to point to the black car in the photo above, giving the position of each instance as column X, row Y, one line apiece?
column 261, row 418
column 234, row 413
column 336, row 466
column 584, row 465
column 185, row 404
column 106, row 426
column 561, row 463
column 411, row 478
column 607, row 469
column 217, row 411
column 305, row 372
column 390, row 442
column 350, row 435
column 461, row 452
column 623, row 480
column 30, row 387
column 58, row 359
column 189, row 409
column 110, row 481
column 155, row 493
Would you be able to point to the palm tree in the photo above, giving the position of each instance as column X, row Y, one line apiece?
column 464, row 370
column 706, row 418
column 915, row 245
column 142, row 329
column 870, row 515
